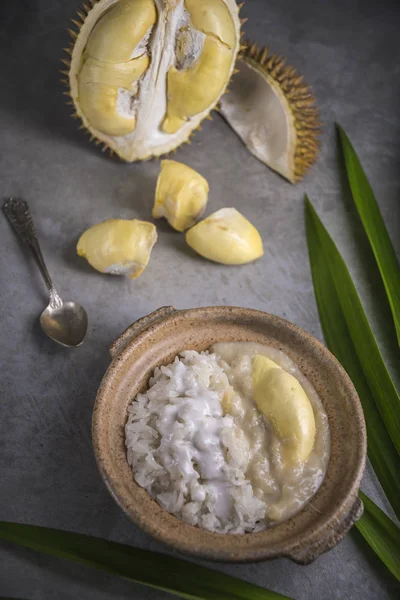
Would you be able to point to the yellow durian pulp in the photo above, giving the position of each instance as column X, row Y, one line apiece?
column 226, row 237
column 118, row 246
column 120, row 29
column 181, row 195
column 284, row 403
column 145, row 73
column 192, row 90
column 108, row 67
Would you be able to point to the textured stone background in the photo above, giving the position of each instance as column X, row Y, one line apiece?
column 349, row 52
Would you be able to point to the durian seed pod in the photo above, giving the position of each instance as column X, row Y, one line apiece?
column 274, row 112
column 181, row 195
column 143, row 74
column 226, row 237
column 118, row 246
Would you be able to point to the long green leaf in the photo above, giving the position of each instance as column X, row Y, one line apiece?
column 382, row 534
column 376, row 374
column 374, row 226
column 332, row 282
column 160, row 571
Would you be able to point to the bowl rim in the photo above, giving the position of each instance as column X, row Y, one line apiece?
column 324, row 535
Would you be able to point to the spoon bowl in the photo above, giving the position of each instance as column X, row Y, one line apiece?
column 66, row 323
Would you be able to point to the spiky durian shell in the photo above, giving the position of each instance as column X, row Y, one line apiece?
column 299, row 100
column 77, row 113
column 73, row 33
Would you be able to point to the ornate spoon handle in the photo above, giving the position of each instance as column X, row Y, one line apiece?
column 18, row 213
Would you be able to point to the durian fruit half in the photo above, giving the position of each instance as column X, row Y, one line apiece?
column 273, row 111
column 145, row 73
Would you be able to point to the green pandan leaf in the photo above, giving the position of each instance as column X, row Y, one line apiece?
column 374, row 226
column 381, row 534
column 349, row 337
column 160, row 571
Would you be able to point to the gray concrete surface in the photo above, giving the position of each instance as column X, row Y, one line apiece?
column 349, row 52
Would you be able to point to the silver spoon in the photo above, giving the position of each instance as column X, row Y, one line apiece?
column 64, row 322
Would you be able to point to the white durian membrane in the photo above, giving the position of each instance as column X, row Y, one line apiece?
column 259, row 113
column 145, row 103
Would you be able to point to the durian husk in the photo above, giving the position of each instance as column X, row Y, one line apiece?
column 86, row 19
column 276, row 116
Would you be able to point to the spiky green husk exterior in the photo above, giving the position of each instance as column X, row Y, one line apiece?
column 300, row 99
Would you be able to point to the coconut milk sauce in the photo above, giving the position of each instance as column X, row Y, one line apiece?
column 284, row 490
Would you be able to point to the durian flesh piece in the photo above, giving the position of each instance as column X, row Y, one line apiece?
column 145, row 73
column 118, row 246
column 226, row 237
column 284, row 403
column 181, row 195
column 273, row 111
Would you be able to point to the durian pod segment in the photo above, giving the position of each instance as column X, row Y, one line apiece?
column 181, row 195
column 226, row 237
column 273, row 111
column 192, row 91
column 192, row 88
column 145, row 73
column 113, row 60
column 118, row 246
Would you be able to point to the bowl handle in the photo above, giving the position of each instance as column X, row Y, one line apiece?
column 307, row 555
column 138, row 327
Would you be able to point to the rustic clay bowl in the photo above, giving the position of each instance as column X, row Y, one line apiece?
column 157, row 339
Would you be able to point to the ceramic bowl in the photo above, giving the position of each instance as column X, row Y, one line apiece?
column 156, row 340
